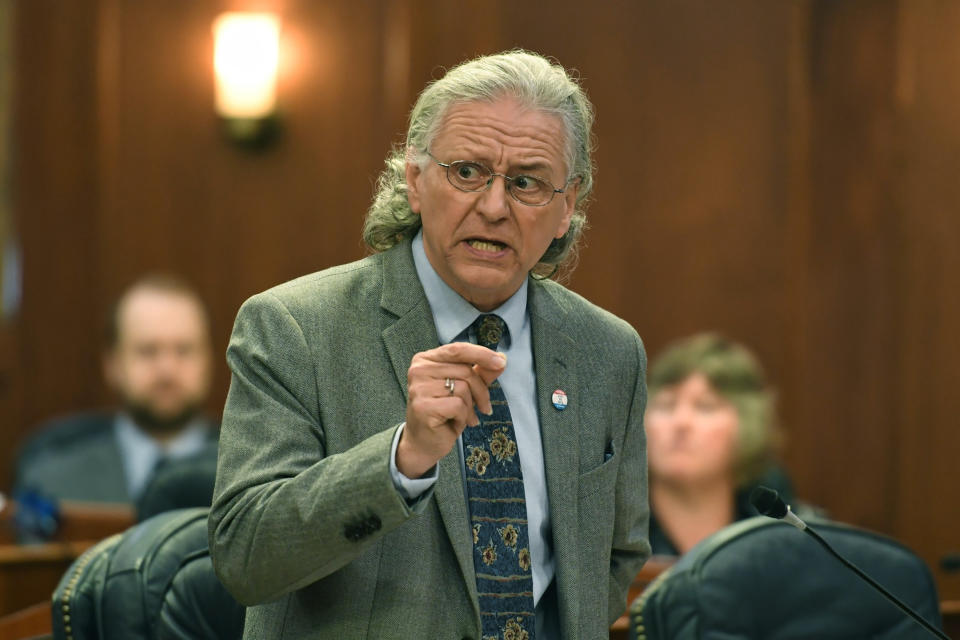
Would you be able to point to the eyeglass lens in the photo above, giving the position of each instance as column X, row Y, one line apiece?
column 471, row 176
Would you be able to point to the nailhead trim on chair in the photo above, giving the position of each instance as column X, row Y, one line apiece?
column 636, row 610
column 80, row 565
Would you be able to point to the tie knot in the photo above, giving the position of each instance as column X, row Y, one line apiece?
column 490, row 328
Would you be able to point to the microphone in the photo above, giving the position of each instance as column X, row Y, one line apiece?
column 768, row 503
column 950, row 562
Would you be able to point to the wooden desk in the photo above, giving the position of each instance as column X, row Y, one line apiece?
column 29, row 573
column 84, row 521
column 950, row 610
column 32, row 622
column 79, row 521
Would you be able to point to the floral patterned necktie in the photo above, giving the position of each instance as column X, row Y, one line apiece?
column 498, row 512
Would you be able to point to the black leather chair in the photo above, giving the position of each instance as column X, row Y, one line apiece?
column 179, row 484
column 155, row 581
column 762, row 578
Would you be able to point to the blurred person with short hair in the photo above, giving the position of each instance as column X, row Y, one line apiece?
column 157, row 361
column 712, row 436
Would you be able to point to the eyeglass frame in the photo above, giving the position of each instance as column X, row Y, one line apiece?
column 508, row 180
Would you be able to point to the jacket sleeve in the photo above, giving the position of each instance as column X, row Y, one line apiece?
column 284, row 513
column 631, row 546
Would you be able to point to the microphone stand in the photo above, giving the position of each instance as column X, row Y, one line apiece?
column 768, row 502
column 876, row 585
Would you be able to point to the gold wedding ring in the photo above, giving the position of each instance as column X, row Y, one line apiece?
column 449, row 385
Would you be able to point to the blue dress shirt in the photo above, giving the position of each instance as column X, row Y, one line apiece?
column 141, row 453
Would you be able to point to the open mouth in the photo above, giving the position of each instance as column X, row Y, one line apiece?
column 487, row 246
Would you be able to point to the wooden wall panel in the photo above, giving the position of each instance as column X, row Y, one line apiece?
column 928, row 90
column 849, row 259
column 55, row 191
column 11, row 391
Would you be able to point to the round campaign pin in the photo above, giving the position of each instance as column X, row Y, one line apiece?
column 559, row 400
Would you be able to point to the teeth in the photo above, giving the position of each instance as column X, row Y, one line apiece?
column 486, row 246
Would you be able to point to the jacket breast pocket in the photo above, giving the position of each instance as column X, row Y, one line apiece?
column 596, row 515
column 598, row 478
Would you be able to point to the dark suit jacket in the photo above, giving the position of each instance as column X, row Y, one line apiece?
column 774, row 477
column 76, row 458
column 306, row 523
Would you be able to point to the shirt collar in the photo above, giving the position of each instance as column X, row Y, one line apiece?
column 191, row 438
column 451, row 313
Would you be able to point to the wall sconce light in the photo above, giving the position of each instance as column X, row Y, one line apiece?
column 245, row 61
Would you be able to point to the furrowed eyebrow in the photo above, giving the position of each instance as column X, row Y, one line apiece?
column 535, row 166
column 539, row 168
column 470, row 155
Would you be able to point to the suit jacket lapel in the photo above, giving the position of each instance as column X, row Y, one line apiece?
column 555, row 356
column 409, row 329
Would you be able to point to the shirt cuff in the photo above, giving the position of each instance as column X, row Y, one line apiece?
column 414, row 490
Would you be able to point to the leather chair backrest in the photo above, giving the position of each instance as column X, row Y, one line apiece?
column 762, row 578
column 180, row 484
column 75, row 605
column 197, row 605
column 154, row 581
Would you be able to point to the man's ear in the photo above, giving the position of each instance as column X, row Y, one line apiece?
column 414, row 175
column 570, row 205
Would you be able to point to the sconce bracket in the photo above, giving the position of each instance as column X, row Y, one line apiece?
column 252, row 134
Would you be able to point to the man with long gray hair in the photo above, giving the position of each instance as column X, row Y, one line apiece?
column 438, row 441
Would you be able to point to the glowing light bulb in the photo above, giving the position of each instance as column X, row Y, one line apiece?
column 245, row 60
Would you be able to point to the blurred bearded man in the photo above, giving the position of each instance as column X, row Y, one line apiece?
column 157, row 361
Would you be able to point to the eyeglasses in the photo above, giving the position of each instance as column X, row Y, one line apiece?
column 473, row 177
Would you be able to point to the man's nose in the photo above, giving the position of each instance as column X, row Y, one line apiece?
column 168, row 360
column 493, row 202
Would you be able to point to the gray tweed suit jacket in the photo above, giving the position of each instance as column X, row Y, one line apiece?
column 307, row 528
